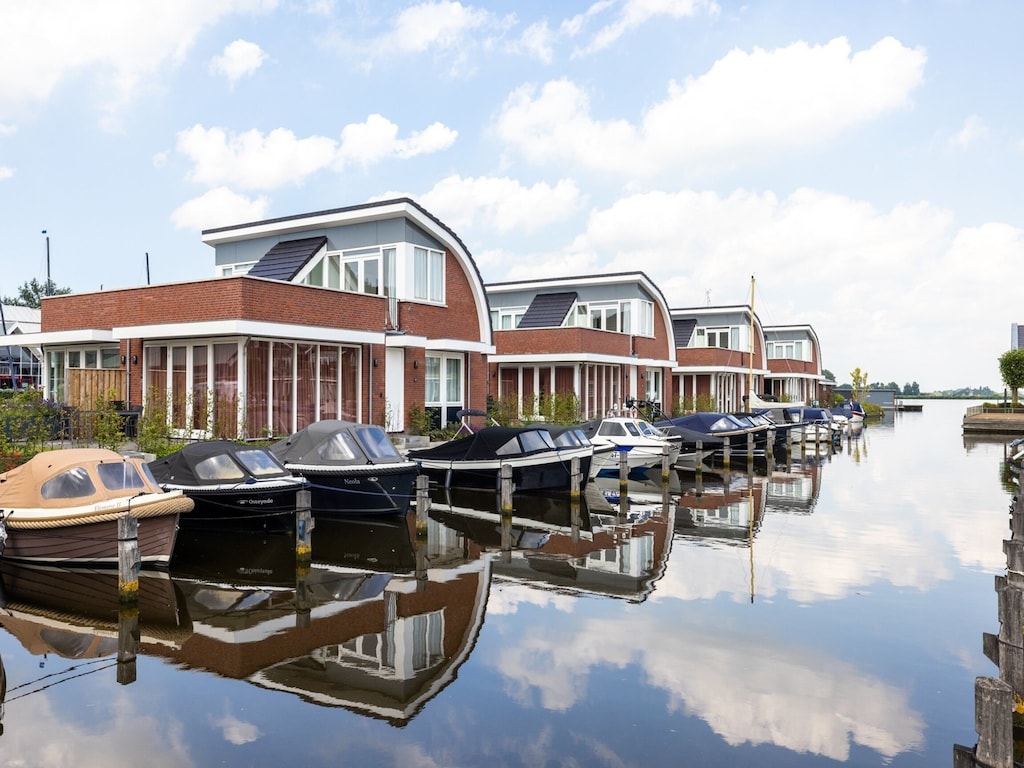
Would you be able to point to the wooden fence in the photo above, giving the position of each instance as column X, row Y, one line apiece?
column 87, row 387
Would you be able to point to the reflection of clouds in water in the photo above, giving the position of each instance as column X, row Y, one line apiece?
column 506, row 599
column 233, row 730
column 746, row 691
column 34, row 734
column 829, row 556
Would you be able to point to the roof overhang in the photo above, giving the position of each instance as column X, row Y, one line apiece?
column 556, row 358
column 76, row 336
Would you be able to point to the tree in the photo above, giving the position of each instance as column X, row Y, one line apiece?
column 1011, row 368
column 860, row 381
column 30, row 294
column 829, row 376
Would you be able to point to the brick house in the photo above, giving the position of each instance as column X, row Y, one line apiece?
column 603, row 339
column 720, row 354
column 794, row 364
column 361, row 313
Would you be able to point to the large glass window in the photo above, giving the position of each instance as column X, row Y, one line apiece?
column 443, row 386
column 428, row 274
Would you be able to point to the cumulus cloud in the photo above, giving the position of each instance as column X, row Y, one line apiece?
column 239, row 59
column 219, row 207
column 6, row 172
column 972, row 131
column 502, row 204
column 536, row 41
column 254, row 160
column 746, row 107
column 446, row 30
column 628, row 16
column 118, row 45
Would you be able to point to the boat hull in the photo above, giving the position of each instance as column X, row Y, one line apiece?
column 529, row 473
column 93, row 544
column 359, row 492
column 253, row 507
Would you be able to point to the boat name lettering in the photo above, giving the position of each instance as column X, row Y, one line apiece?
column 255, row 501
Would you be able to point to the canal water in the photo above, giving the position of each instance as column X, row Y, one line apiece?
column 827, row 611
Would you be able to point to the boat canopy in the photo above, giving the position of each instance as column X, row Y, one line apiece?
column 217, row 461
column 51, row 479
column 333, row 442
column 491, row 443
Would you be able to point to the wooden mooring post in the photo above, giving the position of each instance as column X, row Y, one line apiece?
column 422, row 505
column 506, row 513
column 128, row 560
column 303, row 527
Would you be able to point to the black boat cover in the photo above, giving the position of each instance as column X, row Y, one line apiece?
column 333, row 442
column 490, row 443
column 216, row 461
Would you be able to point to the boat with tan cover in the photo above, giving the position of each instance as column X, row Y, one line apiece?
column 62, row 507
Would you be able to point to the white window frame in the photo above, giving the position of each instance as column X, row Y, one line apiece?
column 428, row 274
column 506, row 318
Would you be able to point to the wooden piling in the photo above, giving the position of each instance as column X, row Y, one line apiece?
column 422, row 505
column 666, row 455
column 128, row 560
column 506, row 489
column 726, row 451
column 750, row 448
column 623, row 474
column 575, row 480
column 303, row 527
column 993, row 720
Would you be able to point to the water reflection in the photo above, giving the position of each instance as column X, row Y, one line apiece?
column 554, row 545
column 794, row 612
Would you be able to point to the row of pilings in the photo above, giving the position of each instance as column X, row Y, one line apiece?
column 998, row 701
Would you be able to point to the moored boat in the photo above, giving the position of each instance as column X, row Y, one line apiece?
column 643, row 444
column 475, row 461
column 62, row 507
column 353, row 469
column 234, row 486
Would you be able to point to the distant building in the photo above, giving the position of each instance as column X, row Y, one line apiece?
column 1016, row 336
column 20, row 366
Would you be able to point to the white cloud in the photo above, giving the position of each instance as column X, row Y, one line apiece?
column 254, row 160
column 116, row 45
column 7, row 130
column 631, row 15
column 972, row 131
column 448, row 31
column 240, row 59
column 502, row 204
column 217, row 208
column 746, row 107
column 6, row 172
column 537, row 41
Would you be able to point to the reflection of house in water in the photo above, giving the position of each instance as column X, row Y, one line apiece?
column 722, row 505
column 549, row 543
column 793, row 488
column 348, row 631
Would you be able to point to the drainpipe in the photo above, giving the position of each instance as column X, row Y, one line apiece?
column 369, row 399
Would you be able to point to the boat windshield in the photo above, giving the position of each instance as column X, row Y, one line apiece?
column 568, row 439
column 219, row 467
column 649, row 430
column 376, row 443
column 71, row 484
column 537, row 440
column 339, row 447
column 632, row 429
column 119, row 476
column 261, row 463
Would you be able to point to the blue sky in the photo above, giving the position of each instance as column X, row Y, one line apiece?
column 861, row 160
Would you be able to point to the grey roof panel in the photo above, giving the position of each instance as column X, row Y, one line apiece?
column 547, row 310
column 682, row 329
column 286, row 258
